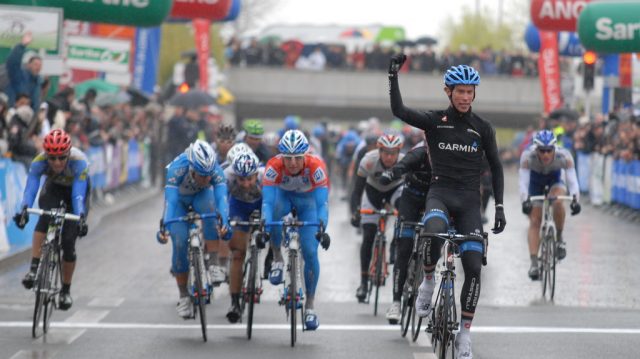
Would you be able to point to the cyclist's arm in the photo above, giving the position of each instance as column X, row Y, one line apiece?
column 356, row 195
column 572, row 179
column 268, row 199
column 171, row 196
column 220, row 192
column 33, row 182
column 79, row 188
column 491, row 152
column 414, row 118
column 321, row 195
column 414, row 160
column 525, row 176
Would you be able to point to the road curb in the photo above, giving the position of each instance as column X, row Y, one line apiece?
column 123, row 199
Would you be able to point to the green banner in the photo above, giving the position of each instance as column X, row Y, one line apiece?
column 123, row 12
column 610, row 27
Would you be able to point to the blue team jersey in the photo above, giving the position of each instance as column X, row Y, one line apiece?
column 75, row 175
column 178, row 176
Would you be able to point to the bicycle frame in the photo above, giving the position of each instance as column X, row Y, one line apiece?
column 49, row 275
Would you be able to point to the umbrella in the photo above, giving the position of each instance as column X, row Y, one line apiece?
column 100, row 85
column 192, row 99
column 390, row 34
column 138, row 98
column 356, row 33
column 426, row 40
column 109, row 99
column 189, row 53
column 292, row 45
column 405, row 43
column 561, row 113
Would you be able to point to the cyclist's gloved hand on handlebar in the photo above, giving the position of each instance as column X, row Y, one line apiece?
column 386, row 178
column 527, row 206
column 83, row 227
column 162, row 236
column 323, row 237
column 500, row 221
column 355, row 218
column 396, row 63
column 225, row 232
column 262, row 239
column 575, row 207
column 21, row 218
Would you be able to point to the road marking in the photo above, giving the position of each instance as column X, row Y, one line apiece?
column 328, row 327
column 87, row 316
column 34, row 354
column 106, row 302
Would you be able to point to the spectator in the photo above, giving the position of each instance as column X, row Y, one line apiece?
column 192, row 72
column 24, row 80
column 21, row 131
column 253, row 53
column 316, row 61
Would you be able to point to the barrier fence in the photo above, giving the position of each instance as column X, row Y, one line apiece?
column 110, row 167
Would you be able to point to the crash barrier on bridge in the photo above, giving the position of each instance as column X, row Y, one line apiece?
column 609, row 180
column 111, row 166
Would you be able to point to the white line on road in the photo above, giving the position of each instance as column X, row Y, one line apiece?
column 424, row 356
column 332, row 327
column 106, row 302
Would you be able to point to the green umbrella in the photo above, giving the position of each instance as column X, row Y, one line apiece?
column 390, row 34
column 100, row 85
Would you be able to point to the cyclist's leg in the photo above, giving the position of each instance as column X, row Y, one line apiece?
column 558, row 189
column 179, row 239
column 281, row 208
column 306, row 206
column 369, row 227
column 533, row 234
column 204, row 202
column 409, row 208
column 394, row 200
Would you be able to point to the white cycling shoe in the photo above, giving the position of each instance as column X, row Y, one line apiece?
column 394, row 313
column 463, row 347
column 217, row 274
column 423, row 301
column 184, row 308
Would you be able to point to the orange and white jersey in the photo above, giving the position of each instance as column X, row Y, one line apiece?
column 312, row 176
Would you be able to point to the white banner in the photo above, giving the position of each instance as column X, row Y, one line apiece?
column 44, row 23
column 98, row 54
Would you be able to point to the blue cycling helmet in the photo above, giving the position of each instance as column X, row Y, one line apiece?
column 461, row 75
column 291, row 122
column 545, row 139
column 245, row 164
column 202, row 158
column 293, row 142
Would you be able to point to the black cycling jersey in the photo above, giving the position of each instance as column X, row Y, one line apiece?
column 456, row 144
column 416, row 168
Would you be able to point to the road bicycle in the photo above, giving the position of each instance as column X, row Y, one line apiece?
column 198, row 283
column 48, row 275
column 252, row 281
column 378, row 267
column 547, row 253
column 444, row 323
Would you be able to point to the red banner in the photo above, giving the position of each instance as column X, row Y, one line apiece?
column 202, row 27
column 549, row 68
column 626, row 69
column 214, row 10
column 556, row 15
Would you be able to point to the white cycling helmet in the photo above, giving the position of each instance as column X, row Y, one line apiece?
column 245, row 164
column 390, row 141
column 237, row 149
column 293, row 142
column 202, row 158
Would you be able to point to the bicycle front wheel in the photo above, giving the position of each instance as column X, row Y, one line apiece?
column 251, row 294
column 552, row 264
column 446, row 335
column 54, row 289
column 41, row 290
column 544, row 264
column 380, row 258
column 407, row 300
column 200, row 291
column 293, row 295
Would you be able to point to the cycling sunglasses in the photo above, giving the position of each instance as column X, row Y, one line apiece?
column 291, row 157
column 545, row 150
column 57, row 158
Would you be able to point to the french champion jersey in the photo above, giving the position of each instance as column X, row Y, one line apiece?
column 178, row 175
column 371, row 168
column 312, row 176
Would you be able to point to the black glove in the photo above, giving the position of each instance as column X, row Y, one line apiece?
column 355, row 218
column 575, row 207
column 323, row 237
column 500, row 221
column 261, row 239
column 21, row 218
column 386, row 178
column 83, row 228
column 396, row 63
column 527, row 206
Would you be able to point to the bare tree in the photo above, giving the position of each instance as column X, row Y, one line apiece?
column 252, row 15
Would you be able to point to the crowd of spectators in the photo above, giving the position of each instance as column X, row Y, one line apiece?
column 423, row 58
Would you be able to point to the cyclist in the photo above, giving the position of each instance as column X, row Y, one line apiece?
column 224, row 141
column 541, row 165
column 66, row 169
column 457, row 140
column 254, row 130
column 245, row 196
column 194, row 179
column 416, row 168
column 296, row 179
column 368, row 176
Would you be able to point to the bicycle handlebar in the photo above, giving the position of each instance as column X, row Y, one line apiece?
column 53, row 213
column 456, row 238
column 191, row 217
column 256, row 223
column 552, row 198
column 293, row 223
column 382, row 212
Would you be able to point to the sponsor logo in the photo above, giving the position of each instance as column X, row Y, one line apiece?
column 444, row 118
column 271, row 174
column 445, row 126
column 458, row 147
column 318, row 175
column 474, row 132
column 173, row 180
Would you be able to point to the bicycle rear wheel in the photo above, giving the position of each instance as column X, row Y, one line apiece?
column 380, row 259
column 293, row 295
column 544, row 264
column 250, row 297
column 41, row 290
column 54, row 290
column 407, row 300
column 552, row 264
column 200, row 291
column 446, row 335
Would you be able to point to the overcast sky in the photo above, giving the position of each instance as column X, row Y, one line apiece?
column 418, row 17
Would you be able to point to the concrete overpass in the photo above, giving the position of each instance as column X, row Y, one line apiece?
column 348, row 95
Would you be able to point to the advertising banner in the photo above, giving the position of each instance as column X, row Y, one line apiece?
column 556, row 15
column 201, row 27
column 236, row 6
column 147, row 56
column 213, row 10
column 568, row 42
column 98, row 54
column 124, row 12
column 610, row 27
column 549, row 68
column 45, row 24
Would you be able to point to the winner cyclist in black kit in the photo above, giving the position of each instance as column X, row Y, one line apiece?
column 457, row 139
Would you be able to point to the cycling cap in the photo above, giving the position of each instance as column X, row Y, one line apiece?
column 293, row 142
column 253, row 128
column 202, row 158
column 56, row 142
column 545, row 138
column 461, row 75
column 236, row 150
column 245, row 164
column 390, row 141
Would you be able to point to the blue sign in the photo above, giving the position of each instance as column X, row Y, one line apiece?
column 145, row 66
